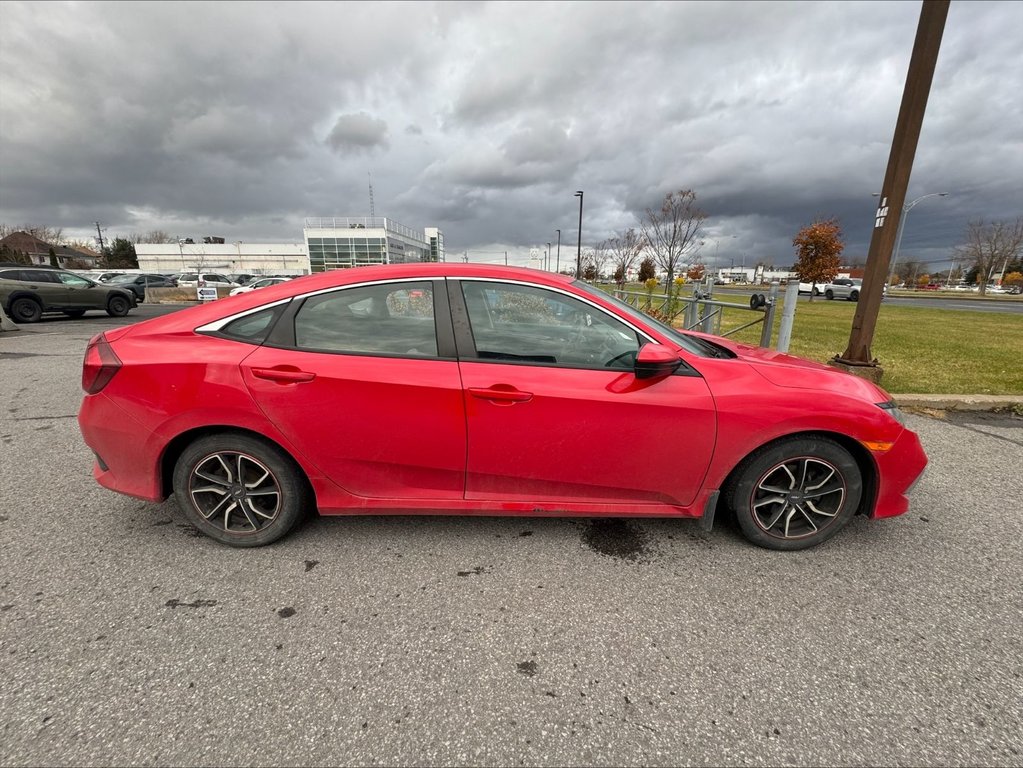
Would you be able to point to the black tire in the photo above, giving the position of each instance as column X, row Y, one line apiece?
column 815, row 291
column 854, row 296
column 795, row 493
column 118, row 306
column 830, row 294
column 74, row 313
column 25, row 310
column 274, row 497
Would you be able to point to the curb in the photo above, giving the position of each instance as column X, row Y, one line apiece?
column 961, row 402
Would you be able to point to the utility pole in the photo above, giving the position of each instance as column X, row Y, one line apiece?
column 857, row 357
column 99, row 236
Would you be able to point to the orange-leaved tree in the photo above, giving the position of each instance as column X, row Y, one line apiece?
column 818, row 248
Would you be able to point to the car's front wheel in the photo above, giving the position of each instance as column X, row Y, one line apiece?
column 239, row 490
column 816, row 292
column 118, row 306
column 25, row 310
column 854, row 296
column 795, row 493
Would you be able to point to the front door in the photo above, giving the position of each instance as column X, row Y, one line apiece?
column 555, row 412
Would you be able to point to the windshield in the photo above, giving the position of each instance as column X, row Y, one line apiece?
column 689, row 343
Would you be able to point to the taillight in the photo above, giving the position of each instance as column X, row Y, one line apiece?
column 100, row 364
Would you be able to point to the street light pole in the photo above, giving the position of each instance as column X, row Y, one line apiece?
column 557, row 263
column 902, row 226
column 548, row 257
column 579, row 246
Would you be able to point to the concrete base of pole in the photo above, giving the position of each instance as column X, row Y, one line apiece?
column 6, row 324
column 869, row 371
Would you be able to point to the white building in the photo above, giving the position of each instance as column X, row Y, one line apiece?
column 233, row 258
column 349, row 241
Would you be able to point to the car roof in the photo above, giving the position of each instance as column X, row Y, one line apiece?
column 188, row 319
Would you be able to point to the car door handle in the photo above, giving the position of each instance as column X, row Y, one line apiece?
column 501, row 395
column 283, row 375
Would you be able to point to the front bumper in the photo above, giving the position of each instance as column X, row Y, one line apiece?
column 899, row 469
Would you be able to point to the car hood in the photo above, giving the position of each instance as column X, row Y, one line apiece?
column 791, row 372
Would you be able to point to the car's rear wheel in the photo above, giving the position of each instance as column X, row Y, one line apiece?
column 25, row 310
column 239, row 490
column 74, row 313
column 830, row 294
column 795, row 493
column 118, row 306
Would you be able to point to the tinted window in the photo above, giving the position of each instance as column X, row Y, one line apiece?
column 12, row 274
column 519, row 323
column 254, row 327
column 40, row 276
column 395, row 319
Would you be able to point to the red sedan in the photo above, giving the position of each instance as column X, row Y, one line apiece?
column 451, row 388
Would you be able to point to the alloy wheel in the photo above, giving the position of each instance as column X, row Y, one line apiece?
column 235, row 492
column 798, row 497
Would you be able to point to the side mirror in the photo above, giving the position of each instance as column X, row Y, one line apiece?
column 655, row 361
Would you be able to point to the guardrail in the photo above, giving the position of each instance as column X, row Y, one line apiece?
column 701, row 311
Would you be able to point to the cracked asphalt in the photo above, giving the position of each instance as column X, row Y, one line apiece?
column 128, row 638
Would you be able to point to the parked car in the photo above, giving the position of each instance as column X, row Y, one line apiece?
column 262, row 282
column 137, row 284
column 812, row 288
column 104, row 277
column 209, row 279
column 242, row 279
column 475, row 389
column 844, row 288
column 27, row 293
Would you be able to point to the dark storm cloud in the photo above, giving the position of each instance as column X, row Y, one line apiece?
column 241, row 119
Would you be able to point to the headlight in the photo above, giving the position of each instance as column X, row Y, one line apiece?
column 893, row 411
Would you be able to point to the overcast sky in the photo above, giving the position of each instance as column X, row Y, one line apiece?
column 483, row 119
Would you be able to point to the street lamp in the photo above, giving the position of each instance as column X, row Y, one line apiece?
column 548, row 257
column 557, row 267
column 579, row 246
column 902, row 226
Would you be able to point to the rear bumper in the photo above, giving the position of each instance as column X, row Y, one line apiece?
column 127, row 453
column 899, row 469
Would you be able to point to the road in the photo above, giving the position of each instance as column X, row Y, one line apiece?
column 1004, row 306
column 128, row 639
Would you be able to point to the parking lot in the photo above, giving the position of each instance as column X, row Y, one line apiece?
column 127, row 638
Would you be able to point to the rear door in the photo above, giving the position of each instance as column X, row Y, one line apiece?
column 364, row 382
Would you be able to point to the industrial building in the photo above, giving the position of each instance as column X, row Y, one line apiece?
column 328, row 243
column 348, row 241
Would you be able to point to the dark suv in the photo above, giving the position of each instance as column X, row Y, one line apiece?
column 137, row 284
column 27, row 292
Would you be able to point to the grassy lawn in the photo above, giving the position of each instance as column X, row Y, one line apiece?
column 922, row 350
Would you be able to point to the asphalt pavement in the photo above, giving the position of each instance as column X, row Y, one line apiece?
column 126, row 638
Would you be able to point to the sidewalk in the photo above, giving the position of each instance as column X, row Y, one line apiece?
column 962, row 402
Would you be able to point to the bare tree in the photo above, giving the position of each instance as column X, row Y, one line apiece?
column 673, row 231
column 624, row 249
column 597, row 257
column 155, row 236
column 51, row 235
column 990, row 245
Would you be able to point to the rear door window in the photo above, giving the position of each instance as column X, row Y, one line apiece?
column 392, row 319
